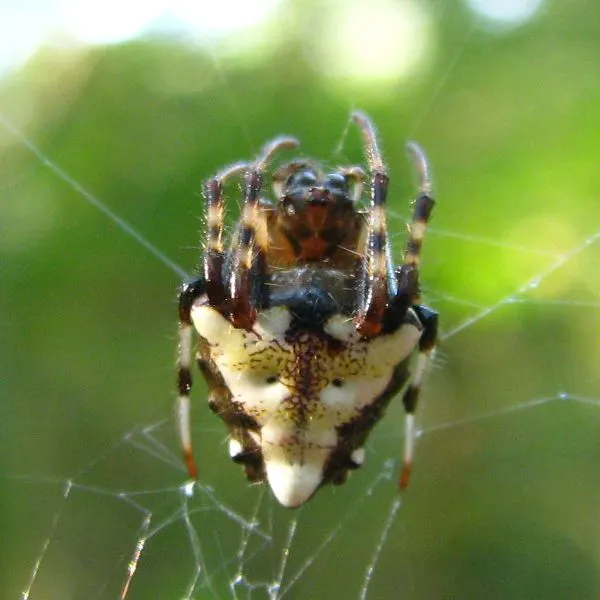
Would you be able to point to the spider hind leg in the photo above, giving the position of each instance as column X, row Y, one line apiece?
column 427, row 342
column 408, row 295
column 189, row 293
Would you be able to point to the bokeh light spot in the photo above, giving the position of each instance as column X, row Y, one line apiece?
column 224, row 16
column 29, row 25
column 108, row 22
column 505, row 14
column 383, row 41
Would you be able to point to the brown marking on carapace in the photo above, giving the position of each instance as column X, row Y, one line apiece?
column 313, row 248
column 318, row 216
column 315, row 235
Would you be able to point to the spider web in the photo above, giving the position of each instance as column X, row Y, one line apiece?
column 503, row 499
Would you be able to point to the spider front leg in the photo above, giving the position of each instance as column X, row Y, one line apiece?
column 248, row 268
column 408, row 291
column 423, row 207
column 242, row 304
column 189, row 293
column 374, row 270
column 214, row 255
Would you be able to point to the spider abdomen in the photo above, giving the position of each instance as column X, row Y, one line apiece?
column 302, row 388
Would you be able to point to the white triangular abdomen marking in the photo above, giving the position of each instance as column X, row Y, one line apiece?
column 298, row 389
column 293, row 483
column 295, row 459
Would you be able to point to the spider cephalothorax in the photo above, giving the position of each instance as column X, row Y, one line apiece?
column 316, row 214
column 305, row 327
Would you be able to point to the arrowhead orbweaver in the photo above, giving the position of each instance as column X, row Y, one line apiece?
column 305, row 327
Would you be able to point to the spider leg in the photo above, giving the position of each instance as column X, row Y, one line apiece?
column 422, row 211
column 407, row 274
column 427, row 343
column 374, row 270
column 214, row 255
column 407, row 295
column 187, row 296
column 355, row 176
column 241, row 309
column 248, row 268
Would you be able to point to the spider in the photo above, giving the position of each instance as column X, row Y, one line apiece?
column 305, row 328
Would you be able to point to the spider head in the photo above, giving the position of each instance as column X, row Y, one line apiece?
column 314, row 211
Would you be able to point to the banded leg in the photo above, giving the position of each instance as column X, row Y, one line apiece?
column 408, row 294
column 189, row 293
column 214, row 255
column 374, row 270
column 429, row 320
column 248, row 262
column 422, row 211
column 407, row 274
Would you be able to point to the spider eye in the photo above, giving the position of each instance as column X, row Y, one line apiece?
column 337, row 382
column 302, row 179
column 336, row 181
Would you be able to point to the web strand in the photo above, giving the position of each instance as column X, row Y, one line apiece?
column 529, row 285
column 123, row 225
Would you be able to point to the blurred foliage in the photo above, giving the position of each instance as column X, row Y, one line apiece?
column 504, row 507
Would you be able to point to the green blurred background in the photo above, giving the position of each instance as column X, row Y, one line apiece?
column 504, row 500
